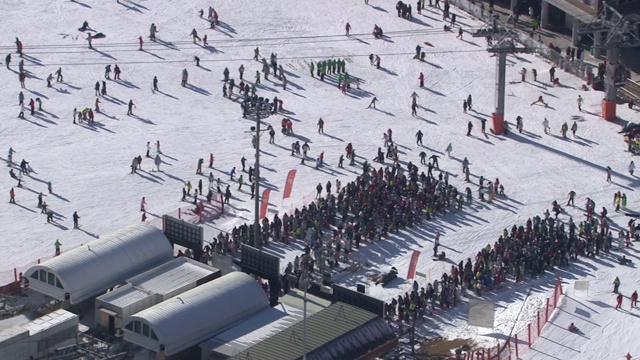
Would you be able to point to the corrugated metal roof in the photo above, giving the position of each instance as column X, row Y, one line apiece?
column 161, row 280
column 170, row 276
column 198, row 314
column 89, row 270
column 50, row 320
column 124, row 296
column 322, row 328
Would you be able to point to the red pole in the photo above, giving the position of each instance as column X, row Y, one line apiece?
column 559, row 284
column 546, row 312
column 38, row 261
column 529, row 334
column 515, row 339
column 15, row 274
column 538, row 319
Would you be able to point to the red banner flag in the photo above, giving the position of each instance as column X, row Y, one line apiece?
column 412, row 265
column 289, row 185
column 265, row 203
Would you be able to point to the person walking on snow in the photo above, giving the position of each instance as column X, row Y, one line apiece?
column 564, row 130
column 579, row 101
column 608, row 174
column 469, row 127
column 157, row 162
column 320, row 126
column 421, row 79
column 59, row 76
column 141, row 42
column 373, row 103
column 419, row 135
column 12, row 196
column 76, row 217
column 142, row 204
column 194, row 35
column 572, row 195
column 199, row 168
column 448, row 150
column 619, row 301
column 632, row 167
column 634, row 299
column 152, row 32
column 185, row 77
column 347, row 28
column 130, row 107
column 574, row 128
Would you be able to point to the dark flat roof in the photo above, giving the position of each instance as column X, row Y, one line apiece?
column 323, row 327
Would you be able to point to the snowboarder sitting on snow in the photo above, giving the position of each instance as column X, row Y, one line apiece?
column 624, row 261
column 573, row 328
column 385, row 279
column 442, row 256
column 447, row 28
column 377, row 32
column 85, row 26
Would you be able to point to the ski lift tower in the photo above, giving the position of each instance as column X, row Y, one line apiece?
column 504, row 42
column 611, row 32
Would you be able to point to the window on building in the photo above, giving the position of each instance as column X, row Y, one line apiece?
column 43, row 276
column 145, row 330
column 137, row 327
column 51, row 279
column 129, row 326
column 58, row 284
column 153, row 335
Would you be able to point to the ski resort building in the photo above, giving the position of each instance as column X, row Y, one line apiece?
column 91, row 269
column 40, row 337
column 340, row 331
column 150, row 288
column 176, row 326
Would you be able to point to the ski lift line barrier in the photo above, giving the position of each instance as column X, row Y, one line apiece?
column 304, row 201
column 515, row 346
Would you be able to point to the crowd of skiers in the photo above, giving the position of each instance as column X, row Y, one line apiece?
column 378, row 202
column 528, row 250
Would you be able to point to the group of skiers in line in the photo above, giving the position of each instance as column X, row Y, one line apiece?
column 532, row 249
column 329, row 227
column 332, row 67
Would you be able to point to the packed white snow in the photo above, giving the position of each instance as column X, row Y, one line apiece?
column 89, row 166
